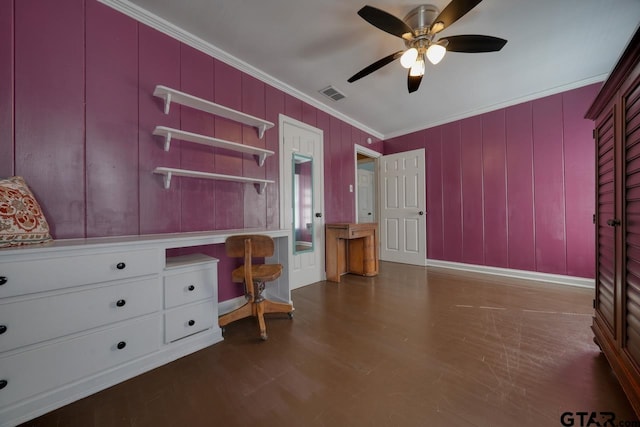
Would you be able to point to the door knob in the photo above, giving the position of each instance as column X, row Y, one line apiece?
column 421, row 213
column 613, row 222
column 318, row 215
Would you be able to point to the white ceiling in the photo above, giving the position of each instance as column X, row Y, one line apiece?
column 302, row 46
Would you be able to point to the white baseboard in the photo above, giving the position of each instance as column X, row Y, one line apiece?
column 518, row 274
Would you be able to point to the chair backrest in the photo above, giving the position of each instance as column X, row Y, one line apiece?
column 260, row 245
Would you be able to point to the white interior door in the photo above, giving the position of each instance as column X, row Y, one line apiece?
column 403, row 224
column 301, row 206
column 366, row 196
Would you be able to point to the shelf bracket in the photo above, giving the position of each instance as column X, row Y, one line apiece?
column 167, row 141
column 167, row 102
column 260, row 186
column 261, row 130
column 167, row 180
column 261, row 158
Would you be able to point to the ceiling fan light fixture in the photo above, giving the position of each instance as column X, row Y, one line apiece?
column 408, row 58
column 435, row 53
column 417, row 69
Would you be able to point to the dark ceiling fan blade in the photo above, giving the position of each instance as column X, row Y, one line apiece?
column 385, row 21
column 413, row 82
column 474, row 43
column 375, row 66
column 454, row 11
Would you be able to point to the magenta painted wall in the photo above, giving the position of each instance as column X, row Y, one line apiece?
column 77, row 115
column 512, row 188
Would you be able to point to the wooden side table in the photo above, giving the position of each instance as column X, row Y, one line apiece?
column 351, row 248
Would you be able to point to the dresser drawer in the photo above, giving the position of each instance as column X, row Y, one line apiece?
column 38, row 319
column 185, row 286
column 187, row 320
column 355, row 233
column 62, row 271
column 48, row 367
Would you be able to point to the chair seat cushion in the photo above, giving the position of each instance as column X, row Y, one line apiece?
column 260, row 272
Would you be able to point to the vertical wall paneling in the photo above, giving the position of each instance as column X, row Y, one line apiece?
column 274, row 100
column 323, row 122
column 451, row 192
column 67, row 164
column 6, row 89
column 512, row 188
column 197, row 195
column 495, row 189
column 77, row 115
column 253, row 102
column 433, row 162
column 334, row 181
column 520, row 210
column 292, row 107
column 49, row 109
column 229, row 195
column 548, row 173
column 159, row 63
column 412, row 141
column 112, row 125
column 579, row 157
column 347, row 167
column 309, row 115
column 358, row 137
column 472, row 190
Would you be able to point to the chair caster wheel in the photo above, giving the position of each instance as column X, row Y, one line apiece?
column 290, row 314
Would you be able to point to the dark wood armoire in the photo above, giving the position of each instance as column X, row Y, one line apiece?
column 616, row 323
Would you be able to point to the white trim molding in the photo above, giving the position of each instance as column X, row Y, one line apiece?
column 516, row 274
column 488, row 108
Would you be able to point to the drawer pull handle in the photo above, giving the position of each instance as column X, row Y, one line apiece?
column 3, row 384
column 121, row 265
column 121, row 303
column 191, row 288
column 121, row 345
column 3, row 329
column 192, row 322
column 3, row 280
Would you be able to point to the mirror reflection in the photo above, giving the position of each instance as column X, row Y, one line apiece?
column 302, row 168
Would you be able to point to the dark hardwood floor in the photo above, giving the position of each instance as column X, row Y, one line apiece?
column 411, row 347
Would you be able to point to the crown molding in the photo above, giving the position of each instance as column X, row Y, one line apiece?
column 145, row 17
column 494, row 107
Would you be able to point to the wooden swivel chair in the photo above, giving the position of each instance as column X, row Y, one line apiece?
column 254, row 277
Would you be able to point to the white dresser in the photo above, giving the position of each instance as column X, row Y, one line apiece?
column 78, row 316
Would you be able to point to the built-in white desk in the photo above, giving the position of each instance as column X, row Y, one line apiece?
column 80, row 315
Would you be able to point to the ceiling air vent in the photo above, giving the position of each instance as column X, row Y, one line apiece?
column 333, row 93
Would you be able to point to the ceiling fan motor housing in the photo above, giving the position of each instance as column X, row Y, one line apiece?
column 419, row 31
column 421, row 18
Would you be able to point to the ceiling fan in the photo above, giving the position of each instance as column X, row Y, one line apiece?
column 419, row 31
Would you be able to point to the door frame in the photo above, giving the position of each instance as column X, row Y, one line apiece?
column 319, row 207
column 359, row 149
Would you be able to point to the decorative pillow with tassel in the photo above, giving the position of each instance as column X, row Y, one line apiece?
column 21, row 219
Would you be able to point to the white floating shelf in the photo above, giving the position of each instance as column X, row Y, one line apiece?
column 172, row 95
column 170, row 172
column 169, row 133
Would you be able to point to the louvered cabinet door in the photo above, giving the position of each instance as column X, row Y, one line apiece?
column 631, row 135
column 606, row 227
